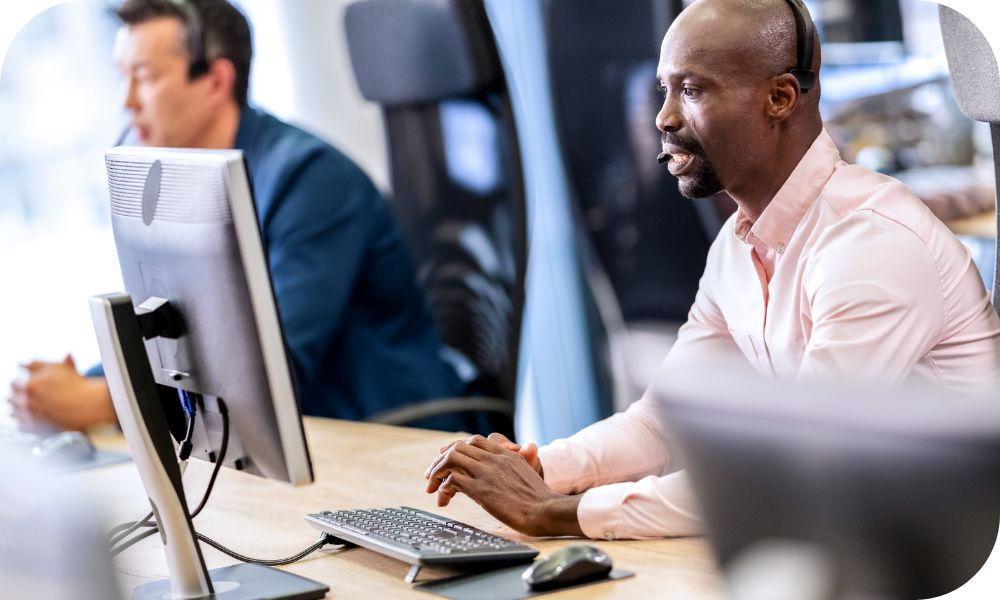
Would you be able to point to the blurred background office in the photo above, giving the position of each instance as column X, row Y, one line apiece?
column 887, row 102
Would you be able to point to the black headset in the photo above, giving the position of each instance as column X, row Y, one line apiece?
column 196, row 38
column 805, row 38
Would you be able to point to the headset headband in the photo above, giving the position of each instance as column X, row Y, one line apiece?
column 805, row 36
column 196, row 39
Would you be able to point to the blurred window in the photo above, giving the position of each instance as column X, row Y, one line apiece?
column 59, row 110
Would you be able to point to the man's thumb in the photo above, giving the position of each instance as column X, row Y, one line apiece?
column 530, row 453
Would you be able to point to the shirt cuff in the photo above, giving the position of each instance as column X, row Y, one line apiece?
column 654, row 507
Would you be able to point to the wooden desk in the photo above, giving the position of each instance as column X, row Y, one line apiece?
column 365, row 465
column 983, row 225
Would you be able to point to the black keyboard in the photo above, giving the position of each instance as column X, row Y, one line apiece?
column 419, row 537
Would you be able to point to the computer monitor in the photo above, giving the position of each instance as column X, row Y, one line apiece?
column 859, row 31
column 199, row 316
column 895, row 494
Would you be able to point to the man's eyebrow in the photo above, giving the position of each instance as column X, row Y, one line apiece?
column 133, row 66
column 682, row 75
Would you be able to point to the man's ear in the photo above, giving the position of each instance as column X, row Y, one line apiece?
column 784, row 97
column 222, row 79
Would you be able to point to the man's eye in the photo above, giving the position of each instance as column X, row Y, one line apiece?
column 690, row 92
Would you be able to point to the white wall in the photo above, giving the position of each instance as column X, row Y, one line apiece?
column 302, row 73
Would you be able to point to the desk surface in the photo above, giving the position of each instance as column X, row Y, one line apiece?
column 365, row 465
column 982, row 225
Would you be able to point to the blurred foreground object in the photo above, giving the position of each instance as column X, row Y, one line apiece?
column 51, row 545
column 894, row 494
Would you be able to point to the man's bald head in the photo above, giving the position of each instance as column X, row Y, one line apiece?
column 747, row 38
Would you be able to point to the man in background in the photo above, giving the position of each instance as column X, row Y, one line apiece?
column 360, row 335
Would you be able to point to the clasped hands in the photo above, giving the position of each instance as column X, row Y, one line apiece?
column 56, row 395
column 506, row 480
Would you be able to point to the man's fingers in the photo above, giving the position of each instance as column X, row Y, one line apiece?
column 444, row 452
column 530, row 453
column 455, row 460
column 18, row 399
column 478, row 441
column 444, row 449
column 453, row 447
column 501, row 439
column 454, row 483
column 436, row 462
column 21, row 416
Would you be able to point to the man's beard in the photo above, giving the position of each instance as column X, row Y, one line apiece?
column 704, row 182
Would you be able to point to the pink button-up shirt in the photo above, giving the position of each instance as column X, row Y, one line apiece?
column 846, row 274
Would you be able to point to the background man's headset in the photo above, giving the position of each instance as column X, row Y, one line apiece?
column 196, row 39
column 805, row 37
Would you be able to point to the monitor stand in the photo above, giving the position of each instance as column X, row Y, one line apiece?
column 120, row 332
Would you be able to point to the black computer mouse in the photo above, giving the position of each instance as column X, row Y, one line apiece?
column 568, row 566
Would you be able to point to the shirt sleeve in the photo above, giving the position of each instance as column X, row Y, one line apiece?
column 873, row 303
column 316, row 243
column 624, row 465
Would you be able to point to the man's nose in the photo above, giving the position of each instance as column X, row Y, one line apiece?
column 667, row 120
column 131, row 101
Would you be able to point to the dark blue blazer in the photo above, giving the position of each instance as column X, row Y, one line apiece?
column 359, row 333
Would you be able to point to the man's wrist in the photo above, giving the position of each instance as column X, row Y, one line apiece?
column 98, row 398
column 559, row 516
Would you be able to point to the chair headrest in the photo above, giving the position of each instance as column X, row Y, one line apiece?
column 418, row 51
column 973, row 66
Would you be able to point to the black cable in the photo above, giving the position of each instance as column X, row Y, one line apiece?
column 154, row 528
column 325, row 538
column 218, row 463
column 146, row 521
column 191, row 409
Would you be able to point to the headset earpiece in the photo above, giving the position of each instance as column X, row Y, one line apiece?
column 805, row 38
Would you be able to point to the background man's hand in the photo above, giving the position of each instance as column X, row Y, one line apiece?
column 57, row 395
column 505, row 479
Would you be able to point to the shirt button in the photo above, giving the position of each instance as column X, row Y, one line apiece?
column 609, row 535
column 781, row 248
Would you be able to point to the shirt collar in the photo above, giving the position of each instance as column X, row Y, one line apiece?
column 784, row 213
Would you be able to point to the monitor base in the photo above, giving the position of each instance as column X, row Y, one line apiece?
column 244, row 582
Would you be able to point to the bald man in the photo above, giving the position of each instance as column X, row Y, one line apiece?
column 827, row 270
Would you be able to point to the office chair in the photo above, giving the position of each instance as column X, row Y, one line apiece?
column 457, row 184
column 650, row 238
column 651, row 241
column 976, row 79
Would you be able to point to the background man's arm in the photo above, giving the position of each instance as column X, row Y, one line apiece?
column 316, row 241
